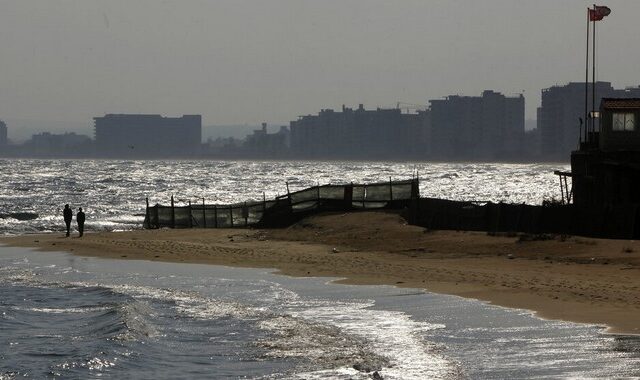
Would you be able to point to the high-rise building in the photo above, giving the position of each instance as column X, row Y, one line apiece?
column 124, row 135
column 487, row 127
column 67, row 144
column 267, row 145
column 359, row 133
column 3, row 133
column 561, row 110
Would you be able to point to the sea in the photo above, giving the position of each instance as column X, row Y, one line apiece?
column 67, row 316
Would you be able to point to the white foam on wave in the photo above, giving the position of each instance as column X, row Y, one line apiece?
column 323, row 346
column 327, row 333
column 389, row 342
column 97, row 364
column 188, row 303
column 15, row 275
column 136, row 316
column 53, row 310
column 391, row 334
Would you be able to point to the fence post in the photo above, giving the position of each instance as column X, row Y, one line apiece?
column 364, row 195
column 245, row 211
column 215, row 216
column 348, row 197
column 231, row 215
column 289, row 198
column 390, row 189
column 190, row 215
column 146, row 212
column 415, row 200
column 173, row 213
column 204, row 214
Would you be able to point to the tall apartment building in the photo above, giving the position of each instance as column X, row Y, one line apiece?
column 562, row 108
column 487, row 127
column 359, row 133
column 3, row 133
column 267, row 145
column 121, row 135
column 67, row 144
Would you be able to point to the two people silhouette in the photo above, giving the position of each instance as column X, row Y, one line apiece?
column 68, row 216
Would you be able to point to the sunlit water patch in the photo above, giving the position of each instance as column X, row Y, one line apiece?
column 74, row 317
column 33, row 192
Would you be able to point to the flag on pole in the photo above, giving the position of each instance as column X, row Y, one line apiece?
column 598, row 12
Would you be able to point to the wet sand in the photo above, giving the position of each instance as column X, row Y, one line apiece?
column 559, row 277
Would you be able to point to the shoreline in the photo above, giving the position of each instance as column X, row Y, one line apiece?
column 576, row 279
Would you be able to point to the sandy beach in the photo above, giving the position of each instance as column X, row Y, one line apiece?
column 558, row 277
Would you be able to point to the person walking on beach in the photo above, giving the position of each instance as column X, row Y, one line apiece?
column 80, row 221
column 68, row 215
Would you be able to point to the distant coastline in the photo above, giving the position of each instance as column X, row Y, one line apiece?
column 223, row 157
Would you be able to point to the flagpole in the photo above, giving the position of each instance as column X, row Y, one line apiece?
column 586, row 85
column 593, row 73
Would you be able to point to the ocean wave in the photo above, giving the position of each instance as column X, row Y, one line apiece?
column 95, row 364
column 136, row 324
column 70, row 310
column 98, row 311
column 323, row 346
column 390, row 334
column 340, row 337
column 189, row 303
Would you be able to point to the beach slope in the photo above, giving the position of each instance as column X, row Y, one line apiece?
column 558, row 277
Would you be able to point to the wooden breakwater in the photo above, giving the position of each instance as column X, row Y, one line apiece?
column 286, row 209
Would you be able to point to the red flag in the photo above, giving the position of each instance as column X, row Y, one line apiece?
column 598, row 13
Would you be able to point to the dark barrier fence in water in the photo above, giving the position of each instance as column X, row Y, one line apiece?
column 613, row 221
column 285, row 210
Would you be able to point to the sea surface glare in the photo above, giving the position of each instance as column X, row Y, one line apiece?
column 76, row 317
column 112, row 193
column 73, row 317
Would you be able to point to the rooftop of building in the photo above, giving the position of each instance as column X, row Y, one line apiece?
column 620, row 103
column 139, row 116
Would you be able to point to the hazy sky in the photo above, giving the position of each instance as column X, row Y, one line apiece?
column 238, row 62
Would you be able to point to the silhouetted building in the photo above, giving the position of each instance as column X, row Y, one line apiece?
column 3, row 134
column 121, row 135
column 223, row 147
column 418, row 137
column 606, row 168
column 61, row 145
column 477, row 128
column 531, row 144
column 267, row 145
column 562, row 108
column 359, row 133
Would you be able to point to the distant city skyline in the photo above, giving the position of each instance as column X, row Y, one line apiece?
column 244, row 62
column 475, row 128
column 20, row 130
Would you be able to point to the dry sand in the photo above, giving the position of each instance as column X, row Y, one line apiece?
column 569, row 278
